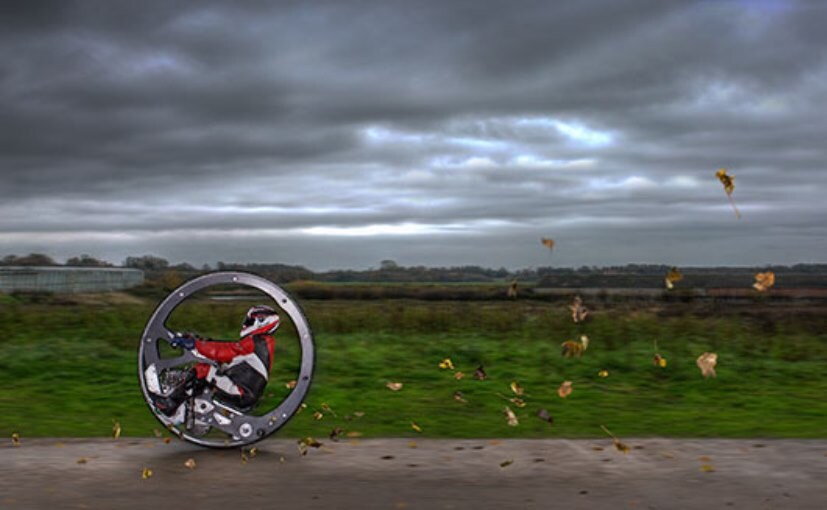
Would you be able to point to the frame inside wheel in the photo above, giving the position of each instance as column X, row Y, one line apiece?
column 242, row 429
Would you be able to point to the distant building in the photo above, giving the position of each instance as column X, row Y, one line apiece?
column 68, row 279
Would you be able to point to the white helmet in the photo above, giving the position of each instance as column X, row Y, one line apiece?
column 260, row 320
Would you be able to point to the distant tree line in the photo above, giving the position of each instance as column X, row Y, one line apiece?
column 629, row 275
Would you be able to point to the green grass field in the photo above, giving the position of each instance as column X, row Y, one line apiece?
column 70, row 370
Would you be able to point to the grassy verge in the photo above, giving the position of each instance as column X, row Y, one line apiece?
column 71, row 370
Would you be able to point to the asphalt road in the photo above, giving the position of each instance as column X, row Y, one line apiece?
column 430, row 474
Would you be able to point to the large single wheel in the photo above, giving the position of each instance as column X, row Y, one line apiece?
column 201, row 413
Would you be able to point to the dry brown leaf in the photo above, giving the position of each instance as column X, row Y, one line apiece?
column 621, row 447
column 318, row 415
column 458, row 397
column 763, row 281
column 707, row 468
column 545, row 416
column 728, row 182
column 512, row 290
column 480, row 374
column 147, row 473
column 506, row 463
column 446, row 364
column 673, row 277
column 603, row 373
column 659, row 361
column 458, row 375
column 353, row 434
column 578, row 311
column 416, row 427
column 548, row 243
column 510, row 417
column 116, row 429
column 394, row 386
column 518, row 402
column 412, row 444
column 516, row 388
column 291, row 384
column 189, row 463
column 167, row 440
column 335, row 433
column 706, row 362
column 15, row 439
column 82, row 460
column 565, row 389
column 307, row 442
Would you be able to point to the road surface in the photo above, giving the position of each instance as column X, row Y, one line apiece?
column 428, row 474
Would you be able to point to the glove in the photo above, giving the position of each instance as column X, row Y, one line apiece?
column 185, row 341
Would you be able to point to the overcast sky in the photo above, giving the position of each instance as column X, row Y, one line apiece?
column 338, row 134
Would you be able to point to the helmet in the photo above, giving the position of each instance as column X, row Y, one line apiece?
column 260, row 319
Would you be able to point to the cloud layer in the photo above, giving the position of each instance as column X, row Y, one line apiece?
column 338, row 134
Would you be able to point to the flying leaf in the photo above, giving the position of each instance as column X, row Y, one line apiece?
column 480, row 374
column 394, row 386
column 659, row 361
column 416, row 427
column 545, row 416
column 15, row 439
column 506, row 463
column 763, row 281
column 618, row 445
column 565, row 389
column 318, row 415
column 82, row 460
column 578, row 311
column 291, row 384
column 548, row 243
column 603, row 373
column 147, row 473
column 157, row 433
column 510, row 417
column 326, row 408
column 584, row 341
column 570, row 348
column 335, row 433
column 358, row 414
column 729, row 186
column 706, row 362
column 516, row 388
column 189, row 464
column 673, row 277
column 458, row 375
column 458, row 397
column 116, row 429
column 167, row 440
column 307, row 442
column 446, row 364
column 512, row 289
column 517, row 402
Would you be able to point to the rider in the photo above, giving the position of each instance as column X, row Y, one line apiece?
column 244, row 366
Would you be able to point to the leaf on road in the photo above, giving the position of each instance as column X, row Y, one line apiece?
column 510, row 417
column 307, row 442
column 446, row 364
column 147, row 473
column 15, row 439
column 706, row 362
column 82, row 460
column 707, row 468
column 394, row 386
column 516, row 388
column 506, row 463
column 189, row 464
column 167, row 440
column 618, row 445
column 763, row 281
column 544, row 415
column 480, row 374
column 335, row 433
column 565, row 389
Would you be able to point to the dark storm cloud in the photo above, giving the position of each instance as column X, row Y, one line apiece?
column 430, row 132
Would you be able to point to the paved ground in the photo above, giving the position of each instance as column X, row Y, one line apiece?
column 435, row 474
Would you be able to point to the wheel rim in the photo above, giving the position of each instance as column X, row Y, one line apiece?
column 247, row 428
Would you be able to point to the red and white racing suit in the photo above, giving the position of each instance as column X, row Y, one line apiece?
column 244, row 370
